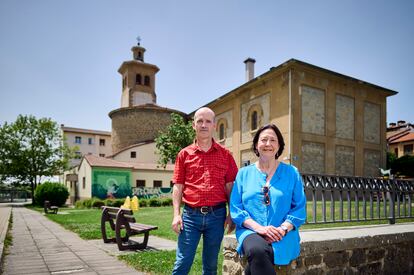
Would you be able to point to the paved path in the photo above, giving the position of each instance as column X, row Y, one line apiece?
column 41, row 246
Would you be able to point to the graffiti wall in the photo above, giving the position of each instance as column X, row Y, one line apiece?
column 152, row 192
column 109, row 183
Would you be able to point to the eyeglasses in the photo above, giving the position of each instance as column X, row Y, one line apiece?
column 266, row 198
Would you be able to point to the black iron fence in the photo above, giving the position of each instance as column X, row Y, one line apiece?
column 11, row 195
column 335, row 199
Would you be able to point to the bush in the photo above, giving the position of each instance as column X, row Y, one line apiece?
column 154, row 202
column 109, row 202
column 97, row 203
column 87, row 203
column 54, row 192
column 143, row 202
column 79, row 204
column 118, row 202
column 166, row 202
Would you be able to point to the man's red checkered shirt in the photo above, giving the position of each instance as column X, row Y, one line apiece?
column 204, row 174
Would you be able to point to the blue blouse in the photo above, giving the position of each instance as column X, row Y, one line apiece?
column 287, row 203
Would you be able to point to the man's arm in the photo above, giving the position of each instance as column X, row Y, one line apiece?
column 229, row 222
column 177, row 195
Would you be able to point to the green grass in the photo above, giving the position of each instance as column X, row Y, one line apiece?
column 8, row 241
column 86, row 223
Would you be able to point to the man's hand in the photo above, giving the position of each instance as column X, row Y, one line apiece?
column 177, row 224
column 229, row 224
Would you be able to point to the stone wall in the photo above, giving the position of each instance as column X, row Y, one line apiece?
column 379, row 250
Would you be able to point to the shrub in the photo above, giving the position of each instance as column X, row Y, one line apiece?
column 109, row 202
column 118, row 202
column 88, row 203
column 97, row 203
column 143, row 202
column 79, row 204
column 403, row 166
column 166, row 202
column 154, row 202
column 54, row 192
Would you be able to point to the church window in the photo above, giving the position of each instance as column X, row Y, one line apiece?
column 138, row 79
column 147, row 80
column 78, row 140
column 254, row 120
column 133, row 154
column 221, row 131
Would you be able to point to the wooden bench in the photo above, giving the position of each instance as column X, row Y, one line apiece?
column 123, row 220
column 50, row 209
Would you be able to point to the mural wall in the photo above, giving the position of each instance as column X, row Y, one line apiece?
column 109, row 183
column 152, row 192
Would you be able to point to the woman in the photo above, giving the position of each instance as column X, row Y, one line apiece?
column 267, row 205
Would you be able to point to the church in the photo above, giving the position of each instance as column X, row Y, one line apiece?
column 332, row 124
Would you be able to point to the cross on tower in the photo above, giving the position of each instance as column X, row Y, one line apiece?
column 139, row 40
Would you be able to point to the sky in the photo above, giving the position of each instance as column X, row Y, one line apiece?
column 59, row 59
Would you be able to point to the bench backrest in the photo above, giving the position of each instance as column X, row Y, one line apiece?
column 114, row 212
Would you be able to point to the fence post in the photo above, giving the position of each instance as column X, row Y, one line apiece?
column 391, row 195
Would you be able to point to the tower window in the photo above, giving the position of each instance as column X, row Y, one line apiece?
column 221, row 131
column 138, row 79
column 254, row 121
column 147, row 80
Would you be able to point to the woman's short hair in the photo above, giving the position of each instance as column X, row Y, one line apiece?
column 279, row 139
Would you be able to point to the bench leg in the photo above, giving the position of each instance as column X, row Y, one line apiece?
column 134, row 245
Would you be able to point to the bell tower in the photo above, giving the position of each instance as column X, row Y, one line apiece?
column 138, row 79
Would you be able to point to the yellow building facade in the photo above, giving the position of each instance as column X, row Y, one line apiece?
column 332, row 123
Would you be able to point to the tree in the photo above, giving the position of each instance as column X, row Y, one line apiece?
column 31, row 148
column 403, row 166
column 178, row 135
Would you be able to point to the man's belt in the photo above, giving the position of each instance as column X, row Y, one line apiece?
column 207, row 209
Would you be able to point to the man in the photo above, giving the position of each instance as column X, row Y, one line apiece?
column 203, row 177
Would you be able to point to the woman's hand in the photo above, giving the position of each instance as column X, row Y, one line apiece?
column 270, row 233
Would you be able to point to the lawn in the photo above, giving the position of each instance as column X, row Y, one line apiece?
column 86, row 223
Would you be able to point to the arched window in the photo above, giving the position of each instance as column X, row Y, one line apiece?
column 138, row 79
column 147, row 80
column 221, row 131
column 254, row 121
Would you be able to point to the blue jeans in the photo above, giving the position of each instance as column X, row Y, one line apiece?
column 211, row 225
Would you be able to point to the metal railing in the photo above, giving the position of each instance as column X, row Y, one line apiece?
column 11, row 195
column 357, row 199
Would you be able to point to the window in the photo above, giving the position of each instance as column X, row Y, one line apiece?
column 408, row 149
column 102, row 142
column 221, row 131
column 254, row 121
column 133, row 154
column 396, row 152
column 171, row 183
column 102, row 155
column 78, row 140
column 138, row 79
column 90, row 141
column 140, row 183
column 147, row 80
column 157, row 183
column 124, row 82
column 83, row 182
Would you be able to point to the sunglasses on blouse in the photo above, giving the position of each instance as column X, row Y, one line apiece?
column 266, row 198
